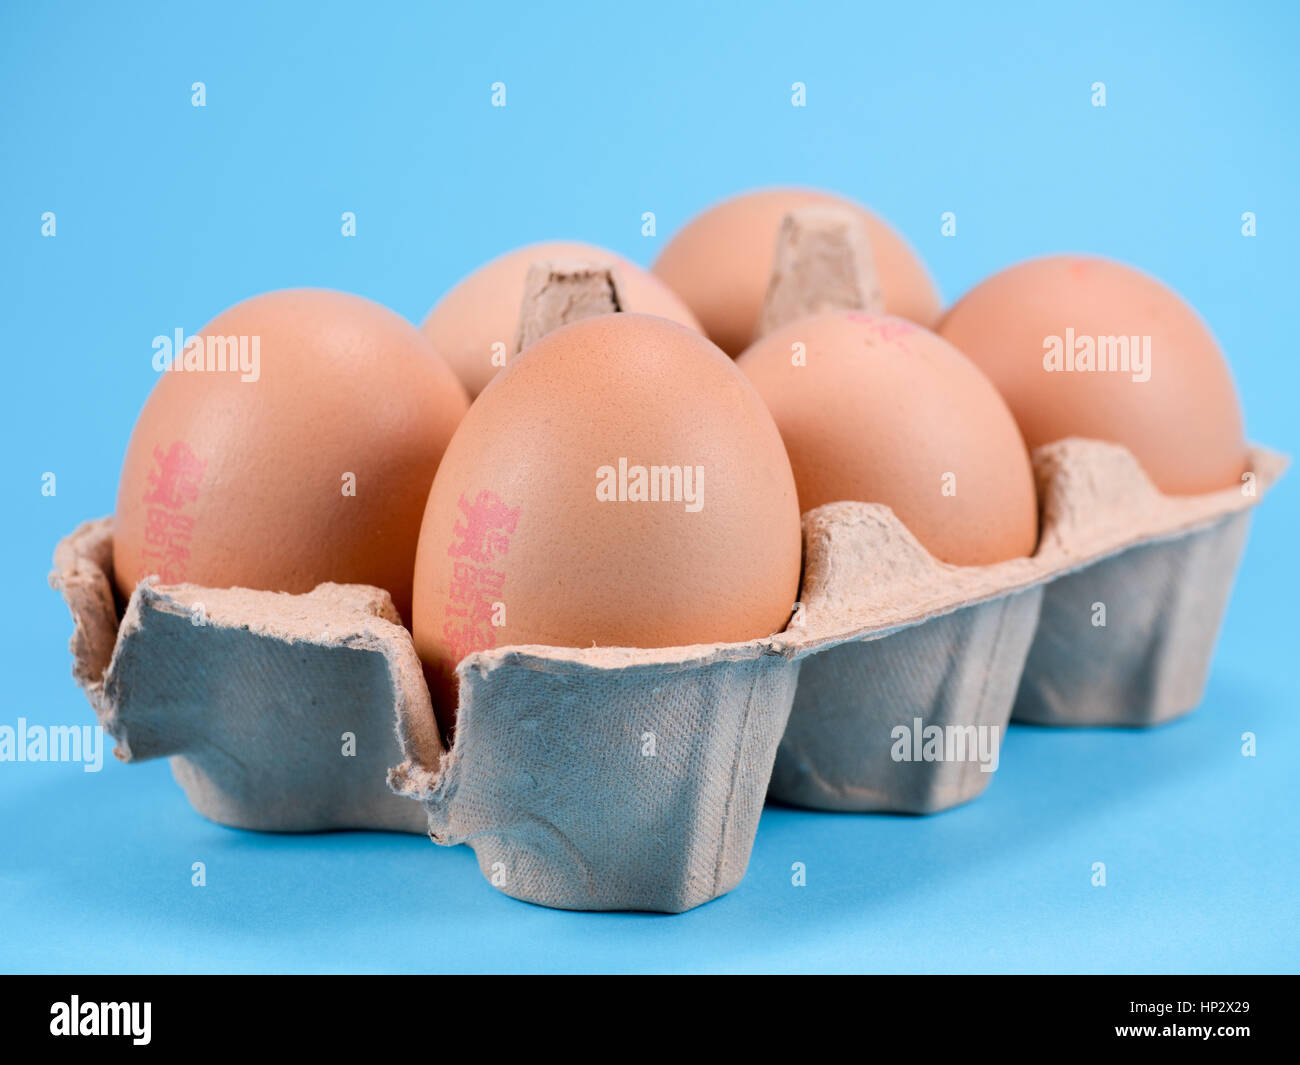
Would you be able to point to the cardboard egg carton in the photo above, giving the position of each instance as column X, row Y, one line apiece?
column 276, row 711
column 617, row 778
column 968, row 645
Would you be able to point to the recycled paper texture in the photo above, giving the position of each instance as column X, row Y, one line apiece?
column 276, row 711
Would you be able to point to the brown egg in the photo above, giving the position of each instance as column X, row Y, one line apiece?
column 876, row 409
column 552, row 512
column 1157, row 382
column 1083, row 346
column 309, row 461
column 482, row 311
column 721, row 261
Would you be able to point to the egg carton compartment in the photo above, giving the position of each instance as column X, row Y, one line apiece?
column 276, row 711
column 1017, row 635
column 609, row 779
column 1127, row 641
column 850, row 745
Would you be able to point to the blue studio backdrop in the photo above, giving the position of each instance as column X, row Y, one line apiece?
column 167, row 213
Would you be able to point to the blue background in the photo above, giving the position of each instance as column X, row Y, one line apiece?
column 168, row 213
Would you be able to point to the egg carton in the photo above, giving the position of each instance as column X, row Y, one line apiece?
column 615, row 778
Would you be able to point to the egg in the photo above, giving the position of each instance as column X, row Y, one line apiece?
column 720, row 263
column 876, row 409
column 619, row 484
column 293, row 441
column 1087, row 347
column 474, row 325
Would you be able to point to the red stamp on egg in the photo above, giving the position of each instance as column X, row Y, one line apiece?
column 482, row 538
column 883, row 328
column 173, row 485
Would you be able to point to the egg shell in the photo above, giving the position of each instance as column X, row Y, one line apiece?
column 721, row 262
column 483, row 309
column 884, row 411
column 1183, row 424
column 231, row 482
column 514, row 517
